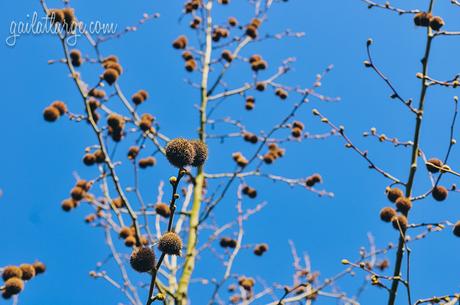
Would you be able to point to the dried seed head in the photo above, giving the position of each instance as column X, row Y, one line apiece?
column 75, row 56
column 227, row 55
column 68, row 204
column 130, row 241
column 56, row 16
column 60, row 106
column 436, row 23
column 394, row 193
column 14, row 286
column 251, row 31
column 133, row 152
column 39, row 267
column 100, row 158
column 260, row 249
column 170, row 243
column 51, row 114
column 387, row 214
column 163, row 209
column 28, row 271
column 313, row 179
column 11, row 272
column 180, row 42
column 186, row 55
column 224, row 242
column 180, row 152
column 142, row 259
column 433, row 165
column 399, row 221
column 77, row 193
column 97, row 93
column 89, row 159
column 440, row 193
column 201, row 152
column 147, row 162
column 281, row 93
column 232, row 21
column 190, row 65
column 137, row 99
column 124, row 232
column 456, row 229
column 298, row 124
column 115, row 120
column 422, row 19
column 115, row 66
column 246, row 283
column 110, row 76
column 296, row 132
column 250, row 137
column 403, row 204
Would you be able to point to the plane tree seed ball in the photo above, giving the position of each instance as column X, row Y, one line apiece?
column 10, row 272
column 180, row 152
column 440, row 193
column 201, row 152
column 142, row 259
column 433, row 165
column 387, row 214
column 170, row 243
column 28, row 271
column 394, row 193
column 39, row 267
column 14, row 286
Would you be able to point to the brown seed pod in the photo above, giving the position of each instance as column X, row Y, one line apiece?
column 100, row 157
column 130, row 241
column 77, row 193
column 246, row 283
column 232, row 243
column 180, row 152
column 163, row 209
column 394, row 193
column 256, row 22
column 69, row 19
column 186, row 55
column 296, row 132
column 298, row 124
column 399, row 221
column 251, row 31
column 85, row 185
column 190, row 65
column 75, row 56
column 232, row 21
column 313, row 179
column 39, row 267
column 422, row 19
column 281, row 93
column 170, row 243
column 118, row 202
column 110, row 58
column 115, row 120
column 224, row 242
column 403, row 204
column 89, row 159
column 110, row 76
column 11, row 272
column 387, row 214
column 456, row 229
column 133, row 152
column 250, row 137
column 227, row 55
column 433, row 165
column 147, row 162
column 180, row 42
column 51, row 114
column 124, row 232
column 60, row 106
column 142, row 259
column 56, row 16
column 115, row 66
column 137, row 98
column 260, row 249
column 68, row 204
column 261, row 86
column 14, row 286
column 201, row 152
column 269, row 158
column 97, row 93
column 436, row 23
column 28, row 271
column 91, row 218
column 440, row 193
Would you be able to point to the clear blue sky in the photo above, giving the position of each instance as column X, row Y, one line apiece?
column 37, row 159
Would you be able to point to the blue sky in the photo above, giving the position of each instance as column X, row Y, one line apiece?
column 38, row 160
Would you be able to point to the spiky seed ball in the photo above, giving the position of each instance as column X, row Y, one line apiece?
column 142, row 259
column 401, row 220
column 68, row 204
column 180, row 152
column 77, row 193
column 387, row 214
column 186, row 55
column 56, row 16
column 60, row 106
column 96, row 93
column 133, row 152
column 436, row 23
column 224, row 242
column 10, row 272
column 118, row 202
column 147, row 162
column 436, row 162
column 170, row 243
column 90, row 218
column 251, row 31
column 232, row 243
column 115, row 66
column 130, row 241
column 124, row 232
column 422, row 19
column 180, row 42
column 298, row 124
column 313, row 179
column 201, row 152
column 89, row 159
column 51, row 114
column 403, row 204
column 440, row 193
column 456, row 229
column 100, row 158
column 394, row 193
column 39, row 267
column 246, row 283
column 115, row 121
column 256, row 22
column 28, row 271
column 190, row 65
column 296, row 132
column 227, row 55
column 260, row 249
column 163, row 209
column 75, row 56
column 14, row 286
column 137, row 99
column 269, row 158
column 110, row 76
column 69, row 19
column 85, row 185
column 232, row 21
